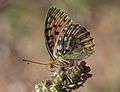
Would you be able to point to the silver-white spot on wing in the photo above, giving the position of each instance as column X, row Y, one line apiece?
column 59, row 47
column 65, row 38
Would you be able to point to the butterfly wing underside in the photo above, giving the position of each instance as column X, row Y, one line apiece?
column 56, row 20
column 74, row 42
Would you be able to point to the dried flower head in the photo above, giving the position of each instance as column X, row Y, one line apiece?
column 66, row 79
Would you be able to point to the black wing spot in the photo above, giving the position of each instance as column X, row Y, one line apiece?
column 54, row 25
column 50, row 28
column 51, row 43
column 83, row 30
column 50, row 37
column 60, row 25
column 51, row 46
column 57, row 33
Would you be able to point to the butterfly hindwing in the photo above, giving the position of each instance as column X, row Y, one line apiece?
column 74, row 42
column 56, row 20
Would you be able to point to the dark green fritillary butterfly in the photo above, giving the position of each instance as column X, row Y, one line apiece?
column 66, row 40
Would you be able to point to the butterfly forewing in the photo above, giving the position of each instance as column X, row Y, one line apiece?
column 74, row 42
column 56, row 20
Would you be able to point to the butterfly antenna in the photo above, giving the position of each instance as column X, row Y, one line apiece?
column 29, row 61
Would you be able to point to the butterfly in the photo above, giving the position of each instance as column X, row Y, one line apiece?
column 66, row 40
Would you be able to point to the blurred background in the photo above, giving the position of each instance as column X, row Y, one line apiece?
column 22, row 36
